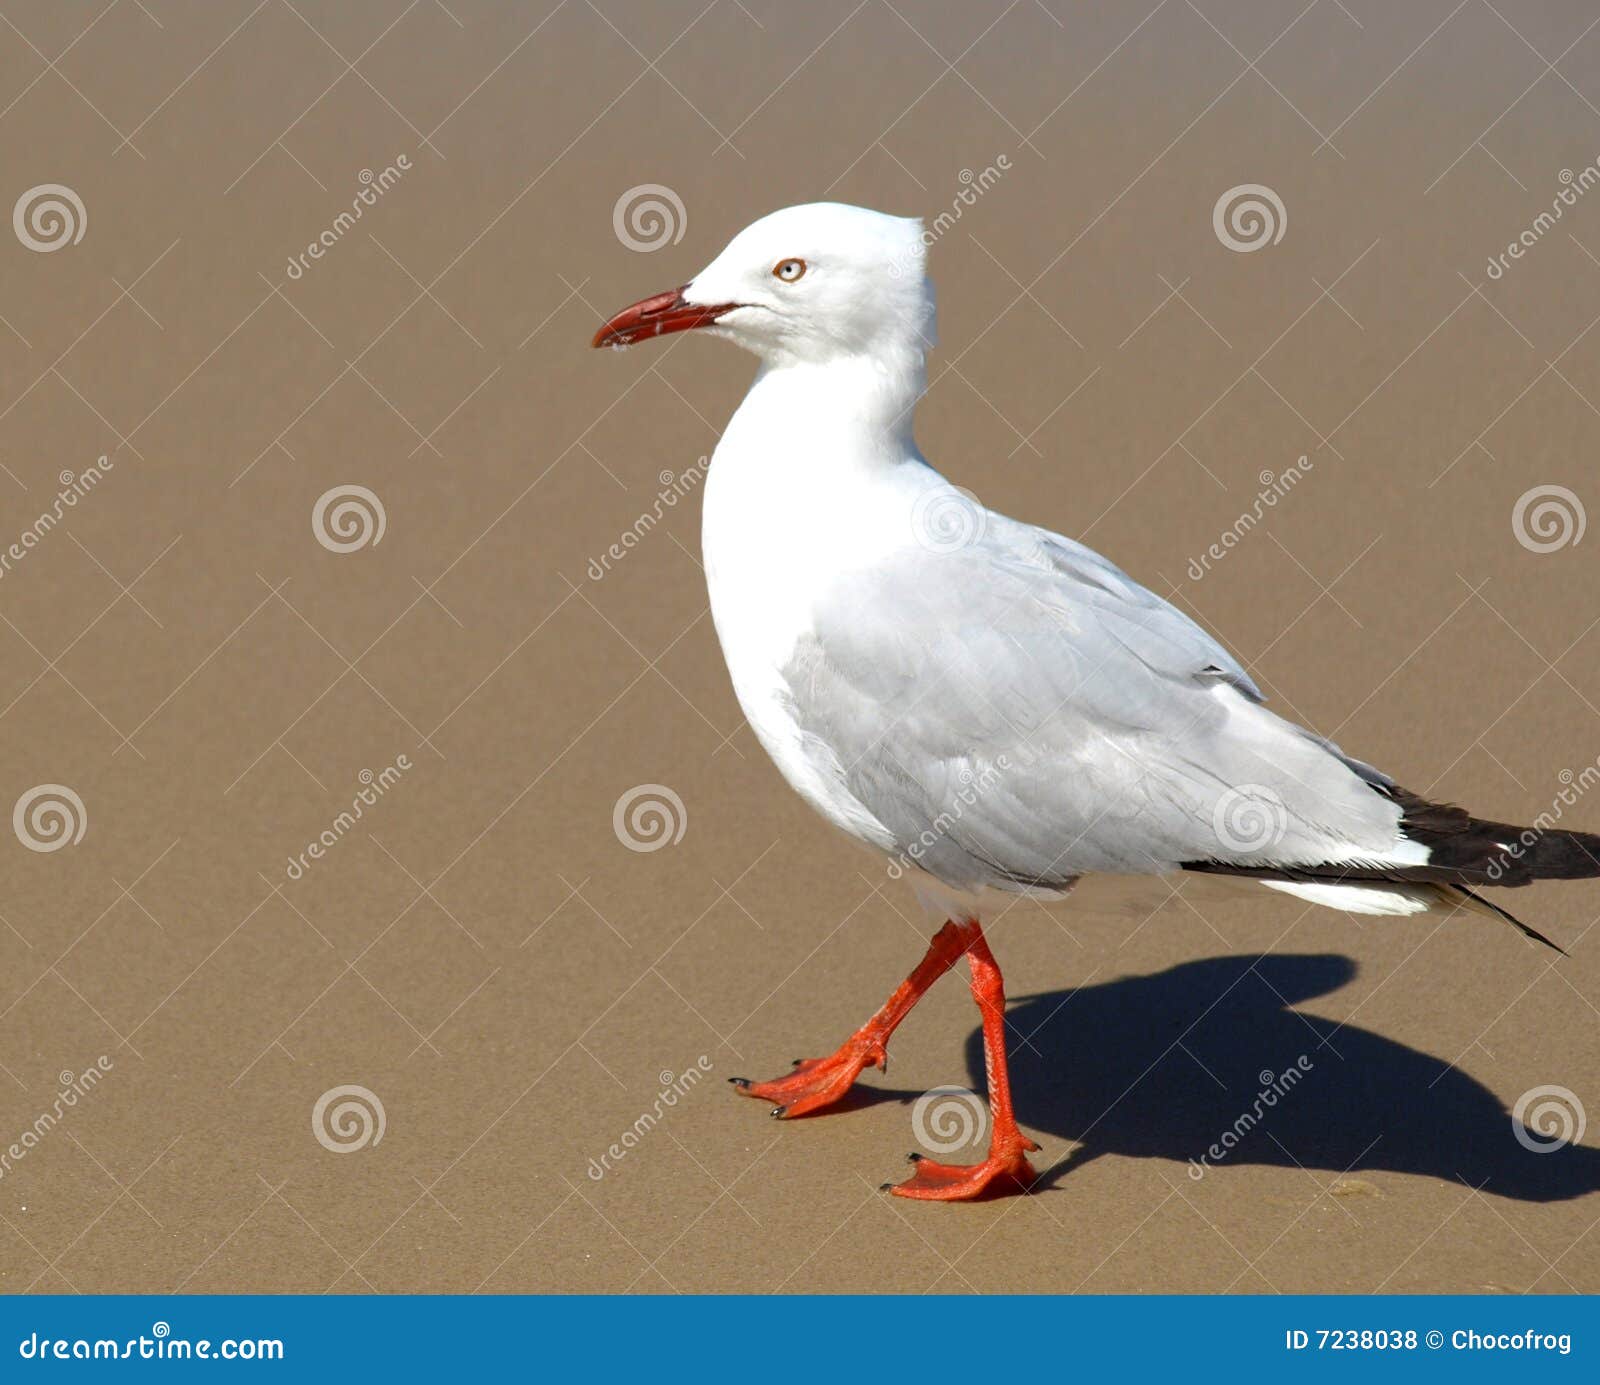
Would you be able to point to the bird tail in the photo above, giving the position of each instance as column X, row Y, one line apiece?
column 1463, row 852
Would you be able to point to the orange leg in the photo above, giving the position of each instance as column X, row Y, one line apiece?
column 818, row 1082
column 1007, row 1163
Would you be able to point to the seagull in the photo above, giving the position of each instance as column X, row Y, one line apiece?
column 996, row 708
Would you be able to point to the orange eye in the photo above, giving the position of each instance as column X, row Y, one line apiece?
column 788, row 270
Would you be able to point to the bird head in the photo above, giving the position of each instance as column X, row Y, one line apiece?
column 807, row 284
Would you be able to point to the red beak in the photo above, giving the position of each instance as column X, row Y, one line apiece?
column 655, row 317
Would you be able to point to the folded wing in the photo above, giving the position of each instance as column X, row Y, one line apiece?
column 1019, row 712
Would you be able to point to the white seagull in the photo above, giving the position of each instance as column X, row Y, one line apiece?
column 997, row 708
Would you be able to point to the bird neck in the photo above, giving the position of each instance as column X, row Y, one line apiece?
column 817, row 465
column 859, row 408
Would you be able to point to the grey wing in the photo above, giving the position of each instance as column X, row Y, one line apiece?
column 1020, row 712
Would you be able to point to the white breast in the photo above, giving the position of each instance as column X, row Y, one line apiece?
column 784, row 514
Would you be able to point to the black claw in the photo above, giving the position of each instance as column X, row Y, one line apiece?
column 885, row 1187
column 914, row 1158
column 797, row 1062
column 778, row 1112
column 740, row 1081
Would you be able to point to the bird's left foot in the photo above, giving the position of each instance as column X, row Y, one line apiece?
column 1004, row 1171
column 817, row 1082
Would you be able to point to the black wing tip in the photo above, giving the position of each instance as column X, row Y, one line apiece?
column 1477, row 850
column 1527, row 930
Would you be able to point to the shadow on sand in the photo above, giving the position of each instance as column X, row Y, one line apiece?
column 1110, row 1067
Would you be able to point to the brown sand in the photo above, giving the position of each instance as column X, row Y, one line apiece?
column 479, row 950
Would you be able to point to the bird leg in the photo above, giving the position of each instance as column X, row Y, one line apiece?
column 818, row 1082
column 1007, row 1162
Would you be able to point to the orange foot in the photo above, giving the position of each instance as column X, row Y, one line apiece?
column 934, row 1182
column 816, row 1082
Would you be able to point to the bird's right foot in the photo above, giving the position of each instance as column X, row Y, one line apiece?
column 817, row 1082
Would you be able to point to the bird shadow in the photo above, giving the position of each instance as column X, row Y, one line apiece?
column 1209, row 1064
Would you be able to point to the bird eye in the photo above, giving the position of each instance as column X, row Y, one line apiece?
column 788, row 270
